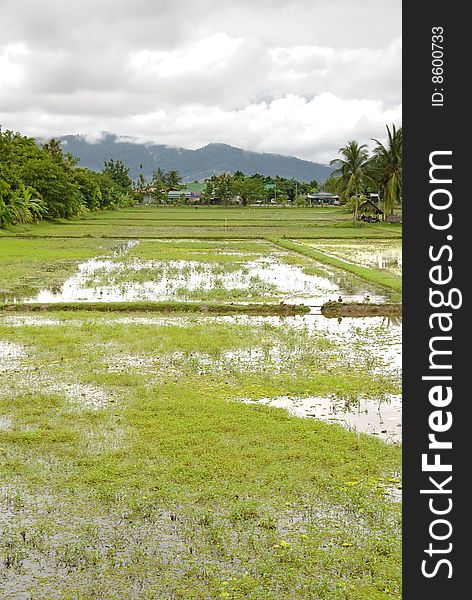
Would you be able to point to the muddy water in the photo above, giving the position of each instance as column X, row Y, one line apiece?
column 362, row 340
column 10, row 355
column 122, row 278
column 382, row 418
column 5, row 423
column 118, row 280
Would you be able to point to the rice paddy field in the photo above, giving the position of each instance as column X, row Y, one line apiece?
column 214, row 222
column 195, row 455
column 377, row 254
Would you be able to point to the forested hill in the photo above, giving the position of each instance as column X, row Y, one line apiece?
column 192, row 164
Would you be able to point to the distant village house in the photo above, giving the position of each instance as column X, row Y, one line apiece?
column 191, row 191
column 322, row 199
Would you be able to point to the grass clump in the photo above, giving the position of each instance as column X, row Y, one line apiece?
column 353, row 309
column 161, row 307
column 29, row 265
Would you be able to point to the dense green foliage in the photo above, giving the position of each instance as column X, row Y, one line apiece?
column 357, row 173
column 39, row 180
column 351, row 170
column 257, row 188
column 119, row 173
column 386, row 168
column 227, row 189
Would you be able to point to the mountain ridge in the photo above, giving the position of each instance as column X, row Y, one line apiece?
column 199, row 164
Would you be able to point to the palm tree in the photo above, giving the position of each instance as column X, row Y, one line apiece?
column 352, row 170
column 25, row 205
column 173, row 179
column 158, row 176
column 6, row 216
column 386, row 166
column 35, row 204
column 19, row 208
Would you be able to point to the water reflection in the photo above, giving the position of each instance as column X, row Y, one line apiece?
column 117, row 280
column 377, row 254
column 372, row 342
column 379, row 417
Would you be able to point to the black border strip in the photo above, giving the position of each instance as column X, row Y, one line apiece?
column 428, row 128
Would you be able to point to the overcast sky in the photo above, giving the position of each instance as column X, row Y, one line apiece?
column 296, row 77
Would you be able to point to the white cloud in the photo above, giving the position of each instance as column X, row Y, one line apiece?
column 350, row 72
column 310, row 129
column 11, row 72
column 209, row 54
column 298, row 77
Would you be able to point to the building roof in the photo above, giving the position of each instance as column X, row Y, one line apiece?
column 188, row 193
column 370, row 206
column 194, row 187
column 322, row 195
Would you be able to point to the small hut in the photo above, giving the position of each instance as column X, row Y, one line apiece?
column 369, row 212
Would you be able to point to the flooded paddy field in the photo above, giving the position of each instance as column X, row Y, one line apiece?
column 193, row 456
column 377, row 254
column 192, row 270
column 29, row 265
column 140, row 421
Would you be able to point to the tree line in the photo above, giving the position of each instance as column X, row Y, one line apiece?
column 227, row 187
column 39, row 180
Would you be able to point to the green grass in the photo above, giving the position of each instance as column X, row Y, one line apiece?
column 132, row 467
column 208, row 251
column 28, row 265
column 366, row 253
column 375, row 276
column 174, row 488
column 212, row 223
column 211, row 271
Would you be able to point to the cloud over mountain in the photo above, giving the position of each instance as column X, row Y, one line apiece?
column 298, row 78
